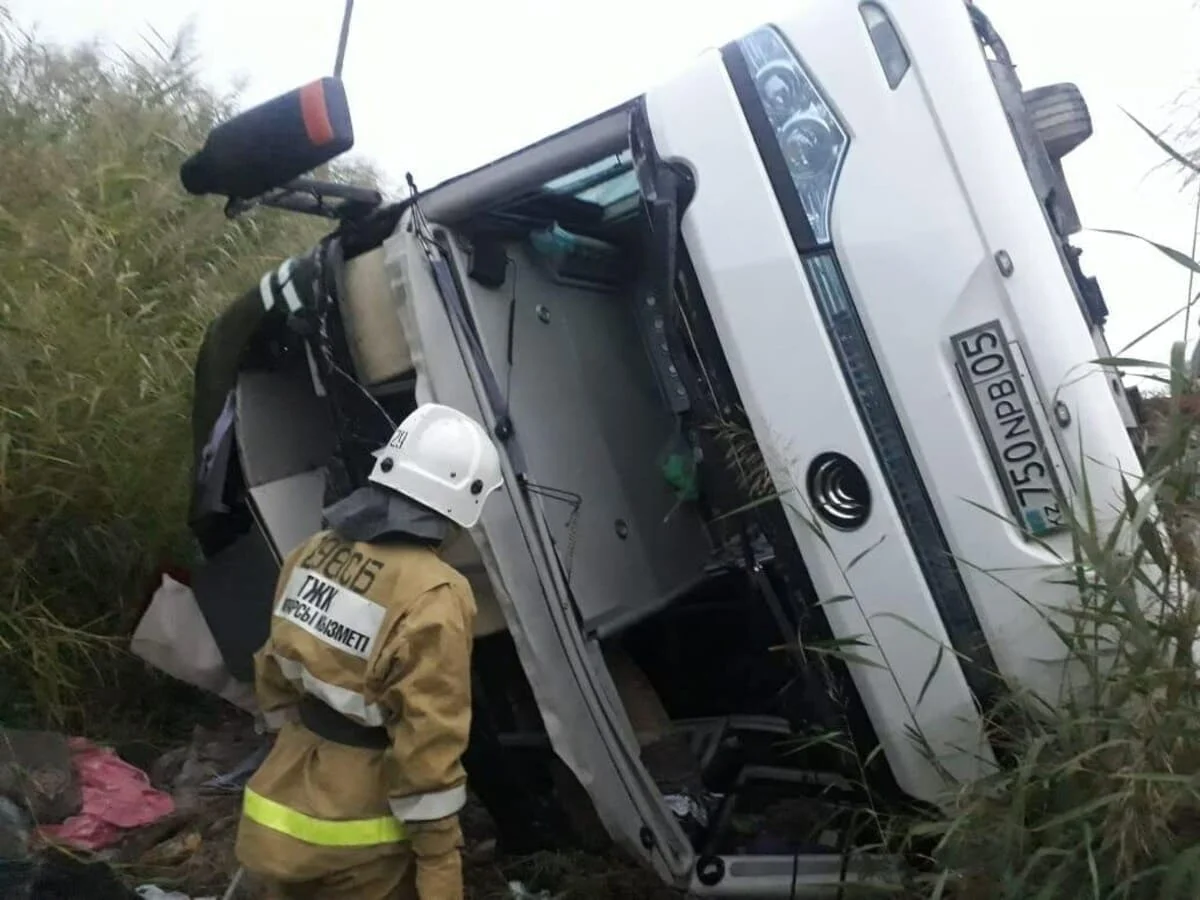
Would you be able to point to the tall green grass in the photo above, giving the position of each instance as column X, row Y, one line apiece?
column 1101, row 795
column 109, row 274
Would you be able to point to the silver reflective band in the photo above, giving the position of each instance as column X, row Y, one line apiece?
column 264, row 292
column 285, row 284
column 429, row 807
column 347, row 702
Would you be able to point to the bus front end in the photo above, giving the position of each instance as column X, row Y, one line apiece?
column 894, row 304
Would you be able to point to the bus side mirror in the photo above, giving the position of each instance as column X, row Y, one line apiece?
column 273, row 143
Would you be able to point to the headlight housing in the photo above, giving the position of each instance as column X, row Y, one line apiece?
column 812, row 140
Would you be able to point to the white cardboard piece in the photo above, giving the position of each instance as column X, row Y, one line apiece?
column 173, row 637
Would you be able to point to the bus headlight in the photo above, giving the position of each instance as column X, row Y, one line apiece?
column 812, row 139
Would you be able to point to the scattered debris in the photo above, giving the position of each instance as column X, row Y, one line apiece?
column 191, row 851
column 116, row 798
column 217, row 757
column 151, row 892
column 58, row 875
column 235, row 780
column 174, row 851
column 172, row 834
column 14, row 832
column 36, row 772
column 518, row 891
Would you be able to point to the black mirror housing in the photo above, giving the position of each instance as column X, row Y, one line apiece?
column 269, row 145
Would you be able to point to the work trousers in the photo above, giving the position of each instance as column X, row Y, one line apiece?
column 393, row 877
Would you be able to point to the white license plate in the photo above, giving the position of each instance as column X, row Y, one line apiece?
column 997, row 391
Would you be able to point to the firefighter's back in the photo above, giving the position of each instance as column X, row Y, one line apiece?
column 319, row 804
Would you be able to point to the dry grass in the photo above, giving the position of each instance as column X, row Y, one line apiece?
column 744, row 458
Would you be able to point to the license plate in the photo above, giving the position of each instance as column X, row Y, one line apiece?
column 996, row 387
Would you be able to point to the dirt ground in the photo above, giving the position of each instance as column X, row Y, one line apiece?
column 192, row 850
column 193, row 853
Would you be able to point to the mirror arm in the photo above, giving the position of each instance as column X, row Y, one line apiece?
column 342, row 39
column 349, row 192
column 285, row 200
column 310, row 196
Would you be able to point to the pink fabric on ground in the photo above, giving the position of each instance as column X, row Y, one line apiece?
column 116, row 798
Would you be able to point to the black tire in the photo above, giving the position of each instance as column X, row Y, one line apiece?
column 1061, row 117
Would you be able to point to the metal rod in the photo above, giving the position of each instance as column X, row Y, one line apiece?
column 233, row 885
column 345, row 36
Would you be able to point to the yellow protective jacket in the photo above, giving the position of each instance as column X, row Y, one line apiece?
column 382, row 634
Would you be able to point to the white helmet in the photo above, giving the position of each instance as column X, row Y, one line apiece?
column 443, row 460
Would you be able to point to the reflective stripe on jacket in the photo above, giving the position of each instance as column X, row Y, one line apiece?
column 321, row 832
column 381, row 633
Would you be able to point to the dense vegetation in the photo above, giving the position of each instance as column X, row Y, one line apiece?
column 1101, row 798
column 109, row 273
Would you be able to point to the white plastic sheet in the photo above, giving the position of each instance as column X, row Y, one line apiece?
column 152, row 892
column 174, row 637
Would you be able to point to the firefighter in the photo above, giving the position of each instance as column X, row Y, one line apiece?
column 366, row 676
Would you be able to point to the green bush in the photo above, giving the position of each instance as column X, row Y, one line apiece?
column 109, row 274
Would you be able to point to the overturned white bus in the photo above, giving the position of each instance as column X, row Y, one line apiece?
column 776, row 354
